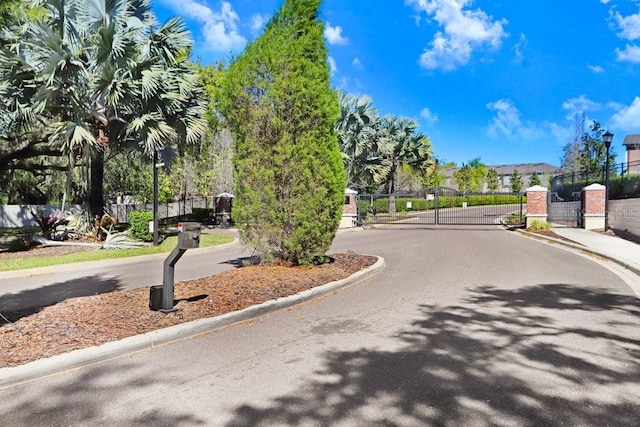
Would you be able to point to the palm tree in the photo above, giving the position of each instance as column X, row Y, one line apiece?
column 102, row 73
column 356, row 128
column 403, row 146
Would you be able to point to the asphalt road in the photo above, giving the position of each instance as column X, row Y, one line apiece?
column 464, row 326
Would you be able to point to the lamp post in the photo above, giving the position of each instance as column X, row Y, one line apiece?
column 157, row 164
column 608, row 137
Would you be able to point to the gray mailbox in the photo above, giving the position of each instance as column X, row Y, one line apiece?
column 188, row 235
column 161, row 297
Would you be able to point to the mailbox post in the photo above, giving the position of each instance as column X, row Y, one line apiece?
column 188, row 238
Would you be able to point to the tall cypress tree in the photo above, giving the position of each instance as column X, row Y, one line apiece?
column 278, row 103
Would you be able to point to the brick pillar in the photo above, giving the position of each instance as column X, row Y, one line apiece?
column 593, row 206
column 349, row 209
column 536, row 204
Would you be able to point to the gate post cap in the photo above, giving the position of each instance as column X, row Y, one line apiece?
column 594, row 186
column 536, row 188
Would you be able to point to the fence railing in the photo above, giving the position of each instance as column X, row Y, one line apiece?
column 165, row 210
column 624, row 181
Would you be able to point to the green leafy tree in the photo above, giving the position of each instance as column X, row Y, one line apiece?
column 433, row 176
column 593, row 152
column 516, row 181
column 10, row 12
column 94, row 74
column 493, row 180
column 479, row 172
column 464, row 178
column 534, row 179
column 279, row 106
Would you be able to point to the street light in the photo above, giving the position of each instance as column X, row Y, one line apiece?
column 157, row 164
column 608, row 137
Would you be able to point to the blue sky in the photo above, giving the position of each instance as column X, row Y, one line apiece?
column 501, row 80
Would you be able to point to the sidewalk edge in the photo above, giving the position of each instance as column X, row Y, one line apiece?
column 633, row 268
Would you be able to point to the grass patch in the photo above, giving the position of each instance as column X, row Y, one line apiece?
column 166, row 246
column 514, row 219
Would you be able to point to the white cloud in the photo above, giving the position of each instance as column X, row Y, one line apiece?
column 579, row 105
column 629, row 29
column 596, row 68
column 507, row 123
column 334, row 35
column 332, row 65
column 517, row 49
column 463, row 31
column 428, row 115
column 629, row 54
column 257, row 22
column 628, row 118
column 219, row 28
column 629, row 26
column 357, row 64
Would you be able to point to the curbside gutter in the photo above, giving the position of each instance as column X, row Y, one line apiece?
column 633, row 268
column 84, row 357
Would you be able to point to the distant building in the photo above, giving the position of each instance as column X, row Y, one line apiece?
column 632, row 144
column 545, row 172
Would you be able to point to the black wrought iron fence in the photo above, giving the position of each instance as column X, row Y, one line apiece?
column 624, row 181
column 179, row 208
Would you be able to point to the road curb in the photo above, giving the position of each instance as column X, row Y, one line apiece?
column 84, row 357
column 634, row 269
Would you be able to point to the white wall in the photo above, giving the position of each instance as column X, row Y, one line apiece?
column 624, row 215
column 20, row 215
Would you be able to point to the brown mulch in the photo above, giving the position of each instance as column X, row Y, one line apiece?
column 89, row 321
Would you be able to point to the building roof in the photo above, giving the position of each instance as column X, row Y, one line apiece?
column 630, row 140
column 522, row 168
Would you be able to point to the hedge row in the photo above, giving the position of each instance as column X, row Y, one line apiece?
column 621, row 187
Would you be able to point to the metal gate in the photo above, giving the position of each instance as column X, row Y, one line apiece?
column 565, row 213
column 444, row 206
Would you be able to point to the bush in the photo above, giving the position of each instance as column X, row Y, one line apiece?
column 139, row 221
column 18, row 245
column 538, row 225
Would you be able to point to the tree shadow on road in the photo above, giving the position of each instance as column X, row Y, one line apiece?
column 28, row 302
column 550, row 354
column 88, row 399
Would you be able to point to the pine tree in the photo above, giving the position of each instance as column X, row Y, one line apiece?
column 493, row 180
column 516, row 181
column 534, row 179
column 289, row 175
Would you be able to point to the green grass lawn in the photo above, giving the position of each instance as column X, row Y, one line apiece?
column 167, row 246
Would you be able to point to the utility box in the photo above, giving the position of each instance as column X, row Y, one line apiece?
column 188, row 235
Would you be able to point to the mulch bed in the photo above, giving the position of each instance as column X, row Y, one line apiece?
column 89, row 321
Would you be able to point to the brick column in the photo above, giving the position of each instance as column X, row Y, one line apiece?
column 536, row 204
column 593, row 206
column 349, row 209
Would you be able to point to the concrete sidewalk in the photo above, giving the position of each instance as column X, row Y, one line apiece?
column 622, row 251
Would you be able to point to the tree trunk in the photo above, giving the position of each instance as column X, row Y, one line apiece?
column 96, row 195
